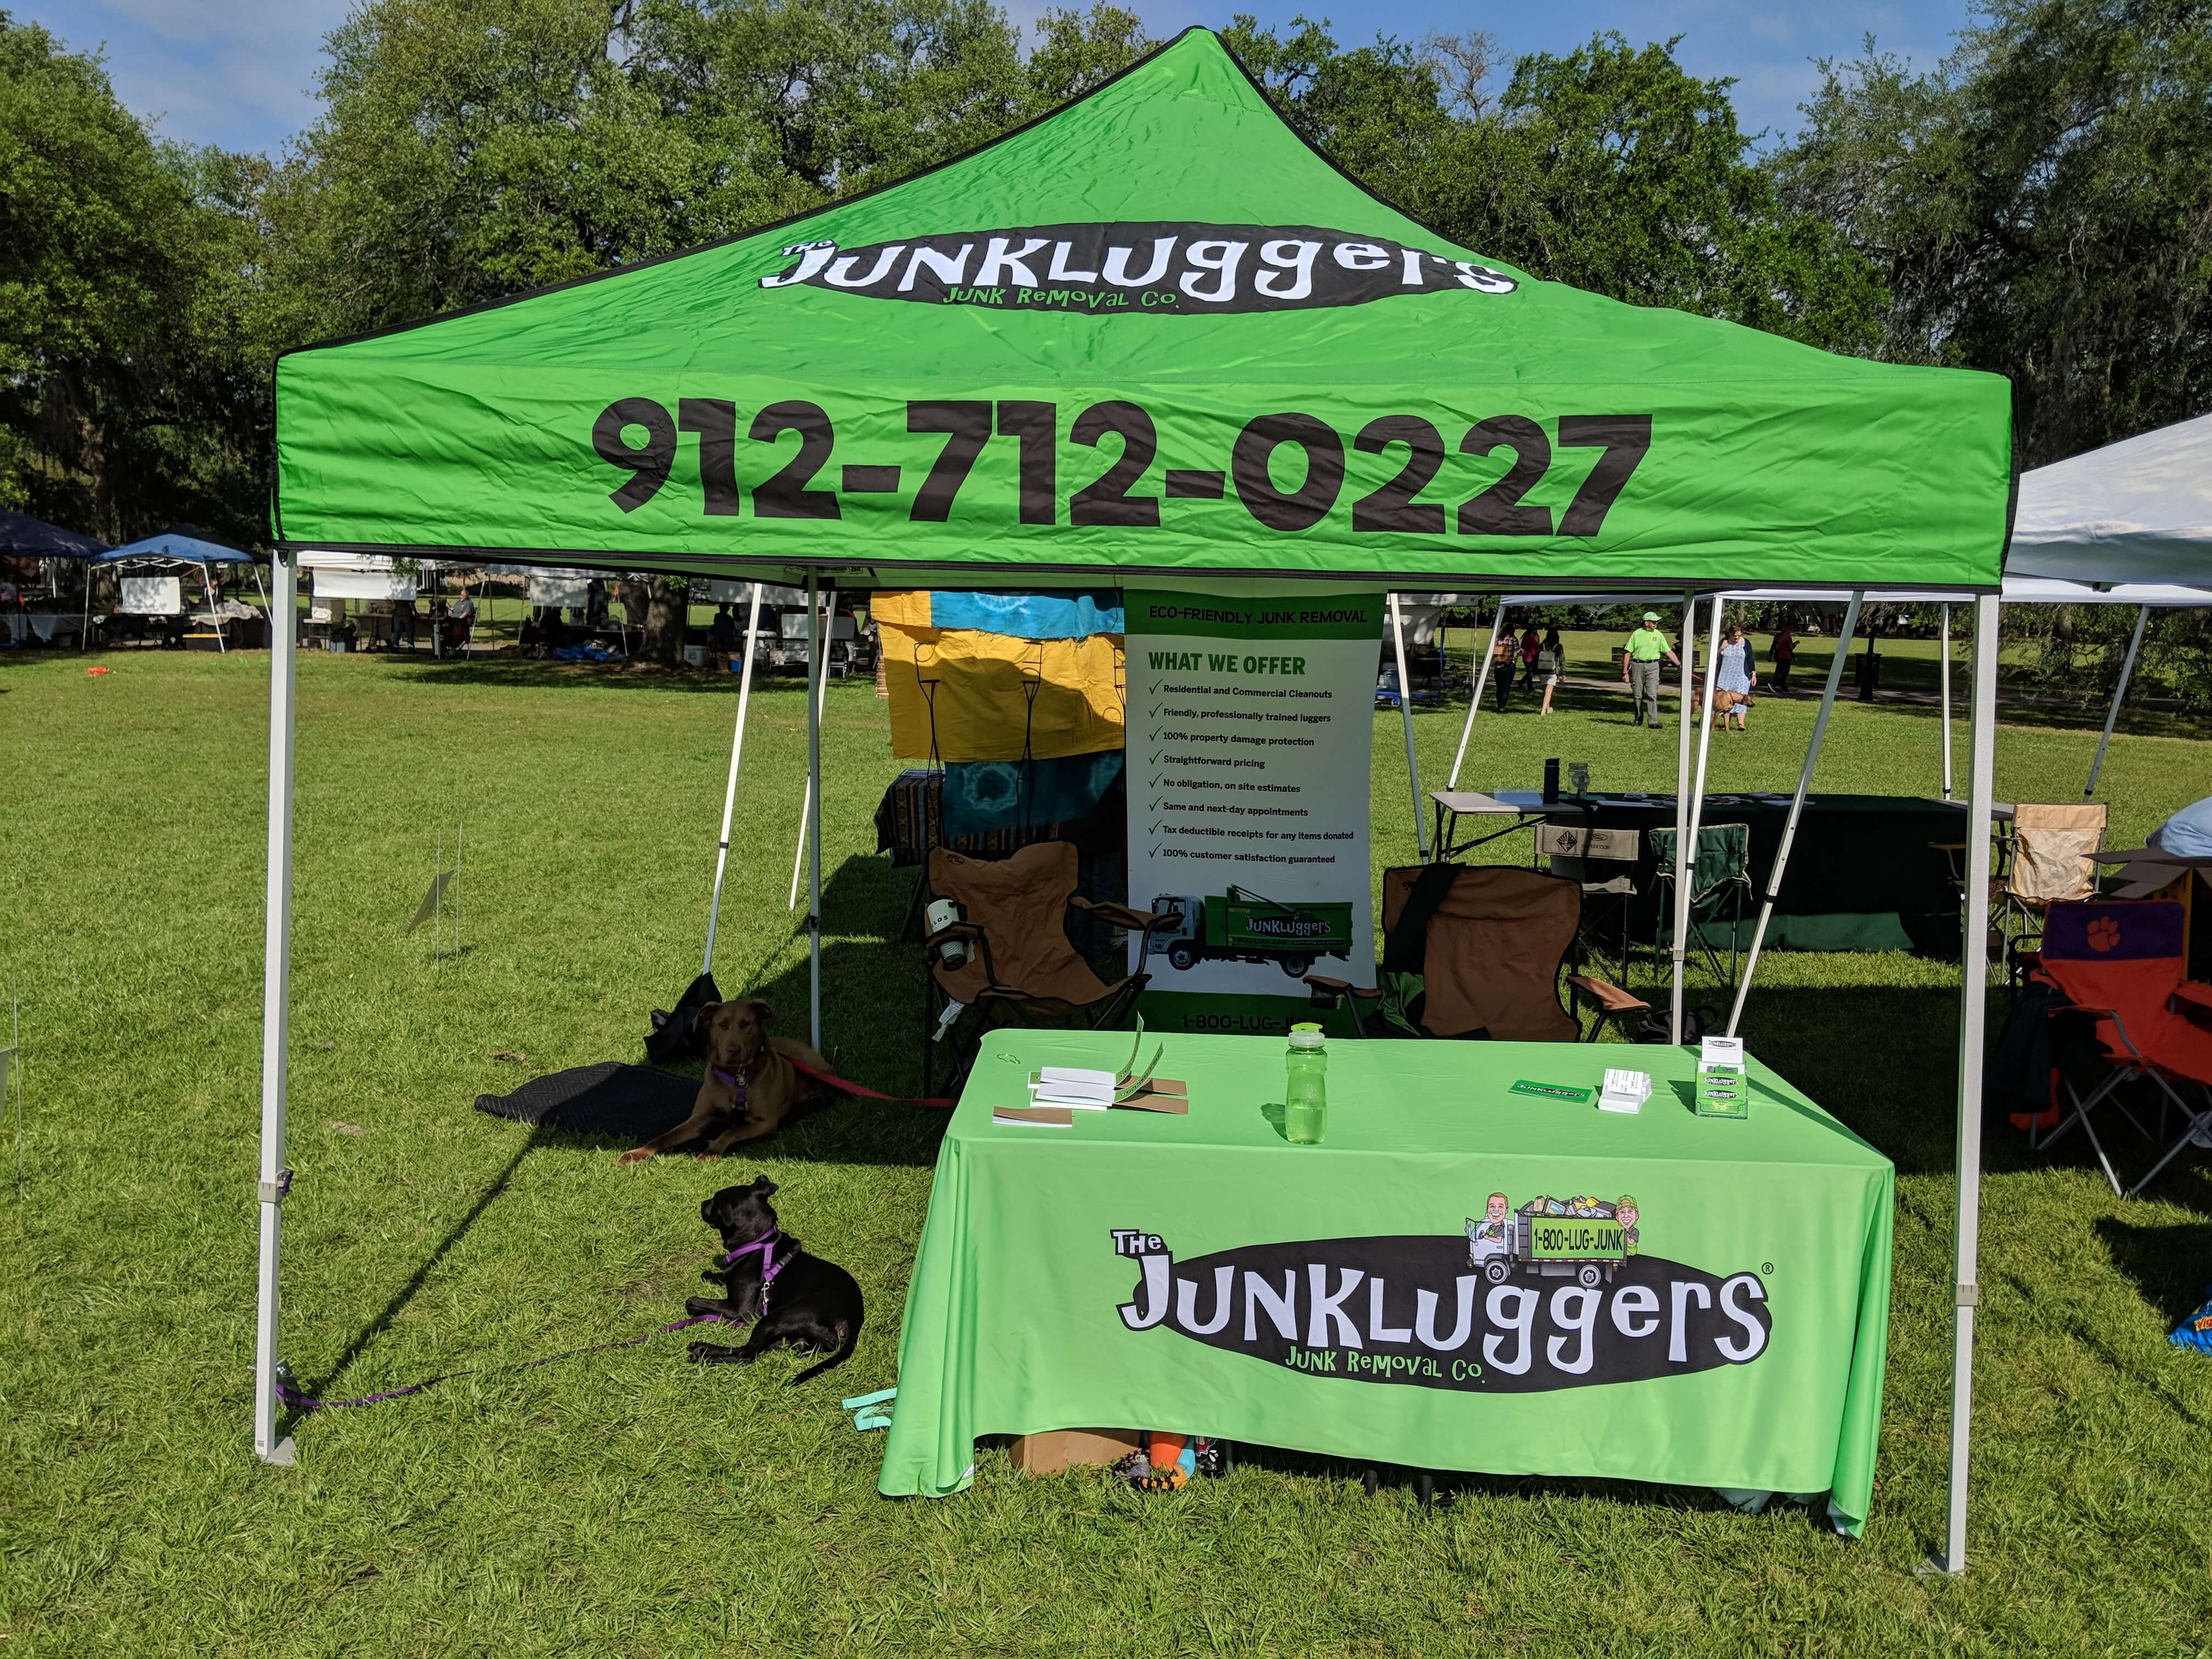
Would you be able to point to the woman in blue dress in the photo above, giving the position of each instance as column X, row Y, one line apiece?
column 1733, row 672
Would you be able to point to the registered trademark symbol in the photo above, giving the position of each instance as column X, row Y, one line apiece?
column 1766, row 1267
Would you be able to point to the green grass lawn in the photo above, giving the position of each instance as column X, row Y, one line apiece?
column 627, row 1503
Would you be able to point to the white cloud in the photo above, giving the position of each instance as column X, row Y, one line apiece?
column 237, row 73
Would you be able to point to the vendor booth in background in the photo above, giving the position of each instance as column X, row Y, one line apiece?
column 152, row 574
column 1120, row 294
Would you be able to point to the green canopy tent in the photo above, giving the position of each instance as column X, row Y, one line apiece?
column 1152, row 334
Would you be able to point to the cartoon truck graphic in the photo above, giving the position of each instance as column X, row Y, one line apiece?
column 1549, row 1238
column 1242, row 926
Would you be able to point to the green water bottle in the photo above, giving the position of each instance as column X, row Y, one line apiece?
column 1305, row 1104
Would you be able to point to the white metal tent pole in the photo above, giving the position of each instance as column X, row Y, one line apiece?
column 1689, row 665
column 215, row 608
column 1943, row 675
column 276, row 1006
column 730, row 789
column 84, row 629
column 1406, row 714
column 819, row 659
column 1974, row 995
column 806, row 801
column 2111, row 718
column 1481, row 679
column 1796, row 812
column 1685, row 845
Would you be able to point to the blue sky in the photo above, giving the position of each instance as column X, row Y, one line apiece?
column 238, row 73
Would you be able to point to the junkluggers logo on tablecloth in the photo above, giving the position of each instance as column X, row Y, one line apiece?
column 1553, row 1295
column 1157, row 267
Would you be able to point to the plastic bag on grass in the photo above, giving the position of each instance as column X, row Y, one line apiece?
column 2196, row 1331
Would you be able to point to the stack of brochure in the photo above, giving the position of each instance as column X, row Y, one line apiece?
column 1057, row 1093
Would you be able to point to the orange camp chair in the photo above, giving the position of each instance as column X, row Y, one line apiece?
column 1487, row 942
column 1018, row 964
column 2121, row 962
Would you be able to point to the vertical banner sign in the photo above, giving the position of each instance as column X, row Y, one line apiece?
column 1250, row 722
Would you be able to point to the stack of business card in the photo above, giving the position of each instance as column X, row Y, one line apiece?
column 1625, row 1091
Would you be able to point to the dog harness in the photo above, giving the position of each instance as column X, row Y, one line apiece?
column 765, row 1244
column 731, row 1078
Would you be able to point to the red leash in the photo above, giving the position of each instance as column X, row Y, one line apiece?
column 836, row 1082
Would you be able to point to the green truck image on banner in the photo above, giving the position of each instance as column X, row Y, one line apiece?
column 1584, row 1237
column 1242, row 926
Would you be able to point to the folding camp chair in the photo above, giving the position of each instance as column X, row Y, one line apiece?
column 1718, row 886
column 1603, row 862
column 2045, row 856
column 2122, row 963
column 1017, row 961
column 1470, row 950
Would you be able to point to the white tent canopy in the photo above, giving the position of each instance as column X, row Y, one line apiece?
column 2136, row 510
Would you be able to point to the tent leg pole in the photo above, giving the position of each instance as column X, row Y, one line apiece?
column 1974, row 995
column 222, row 646
column 806, row 801
column 817, row 659
column 1689, row 665
column 1481, row 679
column 730, row 789
column 2119, row 691
column 1943, row 675
column 1686, row 847
column 276, row 1010
column 1406, row 714
column 1796, row 812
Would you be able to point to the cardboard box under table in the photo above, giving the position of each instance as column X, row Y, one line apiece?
column 1460, row 1278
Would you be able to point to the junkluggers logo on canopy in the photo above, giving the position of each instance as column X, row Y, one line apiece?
column 1513, row 1308
column 1158, row 267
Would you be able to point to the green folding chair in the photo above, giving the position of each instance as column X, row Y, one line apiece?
column 1719, row 887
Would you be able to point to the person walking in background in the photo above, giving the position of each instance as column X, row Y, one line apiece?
column 1640, row 669
column 403, row 623
column 1531, row 643
column 1502, row 662
column 1551, row 662
column 1781, row 651
column 1733, row 673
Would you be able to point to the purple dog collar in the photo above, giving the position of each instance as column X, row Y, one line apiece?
column 731, row 1078
column 765, row 1244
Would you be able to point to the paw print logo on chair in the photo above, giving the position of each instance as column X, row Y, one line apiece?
column 2103, row 934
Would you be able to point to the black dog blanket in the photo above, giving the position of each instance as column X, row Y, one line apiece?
column 629, row 1103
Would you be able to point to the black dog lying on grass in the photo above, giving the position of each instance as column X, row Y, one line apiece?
column 814, row 1305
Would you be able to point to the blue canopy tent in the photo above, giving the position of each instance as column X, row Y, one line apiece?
column 23, row 537
column 173, row 547
column 176, row 545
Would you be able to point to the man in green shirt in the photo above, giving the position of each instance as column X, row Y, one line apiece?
column 1640, row 669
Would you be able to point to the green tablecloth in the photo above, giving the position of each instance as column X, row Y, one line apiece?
column 1200, row 1274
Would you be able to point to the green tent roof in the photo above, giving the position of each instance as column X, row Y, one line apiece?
column 1153, row 332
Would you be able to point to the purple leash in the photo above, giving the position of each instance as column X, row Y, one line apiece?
column 298, row 1401
column 765, row 1245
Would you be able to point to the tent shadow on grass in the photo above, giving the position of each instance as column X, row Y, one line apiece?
column 526, row 672
column 2166, row 1263
column 406, row 1293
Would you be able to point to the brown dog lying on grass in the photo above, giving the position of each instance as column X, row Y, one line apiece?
column 750, row 1084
